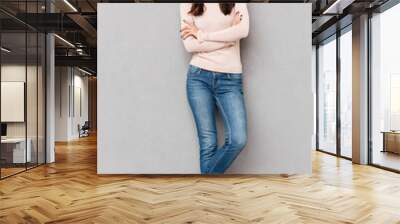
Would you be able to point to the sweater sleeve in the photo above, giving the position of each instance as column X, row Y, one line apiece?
column 192, row 44
column 232, row 33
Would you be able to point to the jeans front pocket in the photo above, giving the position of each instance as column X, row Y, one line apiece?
column 235, row 76
column 230, row 83
column 193, row 70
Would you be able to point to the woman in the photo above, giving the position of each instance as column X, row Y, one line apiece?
column 212, row 32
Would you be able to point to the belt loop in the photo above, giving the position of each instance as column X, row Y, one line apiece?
column 214, row 79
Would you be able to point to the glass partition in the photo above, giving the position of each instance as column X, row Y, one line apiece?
column 14, row 153
column 32, row 97
column 22, row 101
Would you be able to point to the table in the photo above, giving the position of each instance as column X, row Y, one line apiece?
column 13, row 150
column 391, row 141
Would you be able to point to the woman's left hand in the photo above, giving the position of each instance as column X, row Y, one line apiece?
column 189, row 30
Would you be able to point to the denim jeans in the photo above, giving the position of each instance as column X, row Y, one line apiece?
column 206, row 92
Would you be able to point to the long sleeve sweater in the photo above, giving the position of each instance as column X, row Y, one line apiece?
column 217, row 47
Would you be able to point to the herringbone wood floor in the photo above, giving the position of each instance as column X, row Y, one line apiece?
column 69, row 191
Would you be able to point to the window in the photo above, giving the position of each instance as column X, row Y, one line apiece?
column 334, row 106
column 385, row 89
column 346, row 74
column 327, row 96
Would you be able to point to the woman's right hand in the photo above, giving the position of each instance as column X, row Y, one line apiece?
column 190, row 29
column 237, row 18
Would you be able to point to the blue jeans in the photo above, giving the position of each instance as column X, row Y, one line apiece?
column 206, row 92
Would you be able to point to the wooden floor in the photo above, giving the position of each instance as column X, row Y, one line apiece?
column 69, row 191
column 386, row 159
column 5, row 172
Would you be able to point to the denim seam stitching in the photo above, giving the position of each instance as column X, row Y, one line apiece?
column 225, row 119
column 227, row 125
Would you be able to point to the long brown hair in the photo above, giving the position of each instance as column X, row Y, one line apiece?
column 198, row 8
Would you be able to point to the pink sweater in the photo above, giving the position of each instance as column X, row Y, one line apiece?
column 218, row 45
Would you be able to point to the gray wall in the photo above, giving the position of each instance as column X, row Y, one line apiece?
column 144, row 123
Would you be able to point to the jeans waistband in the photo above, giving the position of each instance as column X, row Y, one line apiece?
column 198, row 69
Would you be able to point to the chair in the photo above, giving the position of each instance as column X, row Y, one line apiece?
column 84, row 130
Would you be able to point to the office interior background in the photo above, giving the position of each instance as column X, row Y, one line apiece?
column 48, row 82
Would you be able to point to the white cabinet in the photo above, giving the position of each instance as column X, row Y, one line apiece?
column 19, row 155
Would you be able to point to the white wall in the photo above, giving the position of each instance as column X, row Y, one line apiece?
column 17, row 73
column 62, row 80
column 144, row 122
column 80, row 83
column 67, row 81
column 12, row 101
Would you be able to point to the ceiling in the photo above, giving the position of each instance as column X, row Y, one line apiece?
column 75, row 22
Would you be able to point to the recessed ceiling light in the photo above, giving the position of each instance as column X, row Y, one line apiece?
column 64, row 40
column 84, row 71
column 338, row 6
column 5, row 50
column 70, row 5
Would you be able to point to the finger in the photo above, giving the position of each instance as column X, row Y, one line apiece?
column 187, row 35
column 187, row 29
column 183, row 33
column 184, row 28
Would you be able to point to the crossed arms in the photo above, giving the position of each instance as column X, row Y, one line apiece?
column 211, row 41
